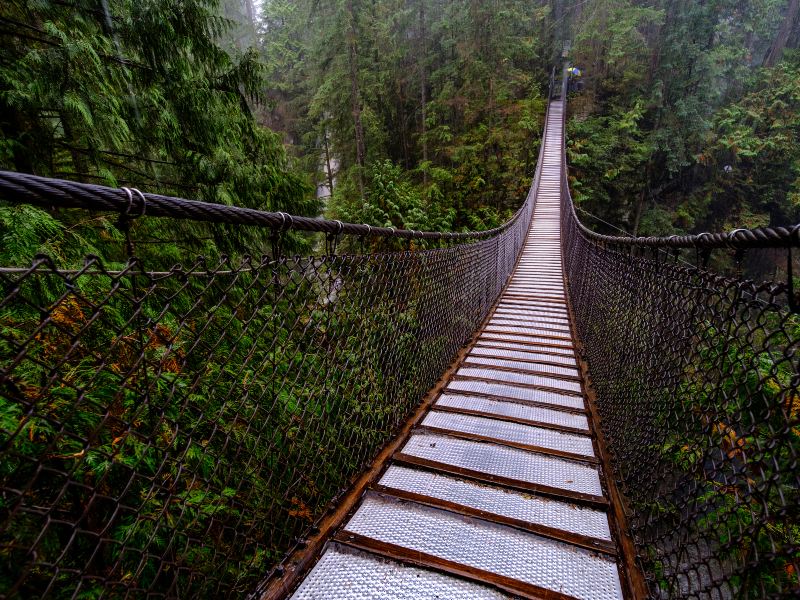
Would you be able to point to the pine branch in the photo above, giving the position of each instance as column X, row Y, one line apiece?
column 127, row 182
column 91, row 11
column 51, row 42
column 119, row 154
column 30, row 38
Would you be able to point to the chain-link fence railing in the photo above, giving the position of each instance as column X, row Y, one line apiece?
column 174, row 434
column 696, row 381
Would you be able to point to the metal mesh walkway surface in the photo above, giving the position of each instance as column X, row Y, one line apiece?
column 498, row 491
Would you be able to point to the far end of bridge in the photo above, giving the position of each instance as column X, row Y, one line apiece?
column 497, row 487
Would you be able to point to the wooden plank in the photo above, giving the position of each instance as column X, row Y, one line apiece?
column 544, row 388
column 468, row 362
column 567, row 409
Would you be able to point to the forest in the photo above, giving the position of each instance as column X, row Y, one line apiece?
column 419, row 114
column 185, row 400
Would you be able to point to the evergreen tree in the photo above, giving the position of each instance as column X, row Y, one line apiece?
column 139, row 93
column 678, row 66
column 449, row 92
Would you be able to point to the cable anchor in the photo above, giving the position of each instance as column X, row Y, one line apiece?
column 276, row 238
column 126, row 218
column 332, row 239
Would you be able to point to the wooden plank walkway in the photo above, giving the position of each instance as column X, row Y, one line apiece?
column 498, row 491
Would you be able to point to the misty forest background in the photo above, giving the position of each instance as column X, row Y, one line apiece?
column 417, row 114
column 420, row 114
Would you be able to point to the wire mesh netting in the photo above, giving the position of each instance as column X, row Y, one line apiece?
column 174, row 434
column 696, row 380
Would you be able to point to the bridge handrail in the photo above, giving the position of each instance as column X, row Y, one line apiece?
column 695, row 380
column 46, row 192
column 759, row 237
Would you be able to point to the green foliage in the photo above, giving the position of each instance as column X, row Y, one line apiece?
column 610, row 42
column 203, row 420
column 608, row 156
column 390, row 200
column 143, row 95
column 468, row 69
column 758, row 138
column 714, row 144
column 740, row 397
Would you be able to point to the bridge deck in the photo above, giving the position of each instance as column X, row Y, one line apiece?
column 498, row 491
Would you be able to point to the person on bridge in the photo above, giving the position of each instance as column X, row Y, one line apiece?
column 574, row 84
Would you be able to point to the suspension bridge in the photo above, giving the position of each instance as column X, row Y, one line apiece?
column 625, row 422
column 512, row 415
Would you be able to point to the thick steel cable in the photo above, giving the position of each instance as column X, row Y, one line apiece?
column 22, row 188
column 43, row 191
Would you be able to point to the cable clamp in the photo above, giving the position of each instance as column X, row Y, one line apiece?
column 129, row 192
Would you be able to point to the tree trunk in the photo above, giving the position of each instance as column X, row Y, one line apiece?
column 328, row 170
column 639, row 210
column 776, row 50
column 355, row 93
column 79, row 161
column 18, row 126
column 250, row 10
column 423, row 92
